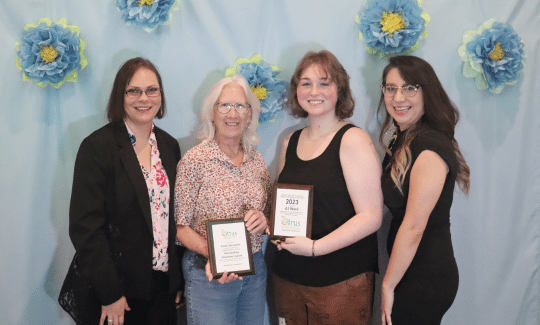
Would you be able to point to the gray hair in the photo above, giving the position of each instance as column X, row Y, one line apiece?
column 207, row 132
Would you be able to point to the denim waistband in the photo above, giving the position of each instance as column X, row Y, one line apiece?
column 198, row 260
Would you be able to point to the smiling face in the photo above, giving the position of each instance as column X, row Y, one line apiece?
column 141, row 111
column 230, row 127
column 406, row 111
column 316, row 93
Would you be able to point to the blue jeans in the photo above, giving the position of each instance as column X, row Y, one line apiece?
column 236, row 303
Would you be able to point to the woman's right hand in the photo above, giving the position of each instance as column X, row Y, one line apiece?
column 387, row 302
column 114, row 312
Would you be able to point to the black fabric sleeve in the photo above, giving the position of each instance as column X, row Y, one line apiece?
column 88, row 219
column 438, row 143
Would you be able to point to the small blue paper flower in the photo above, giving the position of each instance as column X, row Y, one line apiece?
column 147, row 13
column 50, row 53
column 261, row 77
column 392, row 26
column 493, row 55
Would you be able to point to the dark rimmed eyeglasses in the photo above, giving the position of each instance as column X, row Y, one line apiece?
column 136, row 92
column 407, row 91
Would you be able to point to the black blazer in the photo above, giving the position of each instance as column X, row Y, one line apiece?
column 110, row 222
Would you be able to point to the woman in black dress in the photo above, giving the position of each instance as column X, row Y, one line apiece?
column 422, row 165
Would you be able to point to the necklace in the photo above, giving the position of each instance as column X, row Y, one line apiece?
column 324, row 135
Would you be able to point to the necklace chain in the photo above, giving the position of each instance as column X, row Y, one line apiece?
column 324, row 135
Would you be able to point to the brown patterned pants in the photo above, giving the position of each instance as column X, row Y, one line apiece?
column 346, row 302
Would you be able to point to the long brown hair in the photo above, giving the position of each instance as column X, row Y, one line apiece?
column 440, row 114
column 335, row 72
column 115, row 107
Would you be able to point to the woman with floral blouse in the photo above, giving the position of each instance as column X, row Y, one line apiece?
column 120, row 219
column 223, row 177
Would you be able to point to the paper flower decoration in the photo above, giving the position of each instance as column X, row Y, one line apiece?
column 261, row 77
column 147, row 13
column 392, row 26
column 50, row 53
column 493, row 55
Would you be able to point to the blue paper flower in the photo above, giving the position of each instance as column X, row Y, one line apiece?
column 50, row 53
column 493, row 55
column 147, row 13
column 261, row 77
column 392, row 26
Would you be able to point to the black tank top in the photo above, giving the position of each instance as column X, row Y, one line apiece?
column 332, row 207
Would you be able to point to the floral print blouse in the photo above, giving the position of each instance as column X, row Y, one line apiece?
column 210, row 186
column 158, row 186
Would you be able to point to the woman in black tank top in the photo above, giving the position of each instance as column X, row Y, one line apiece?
column 329, row 279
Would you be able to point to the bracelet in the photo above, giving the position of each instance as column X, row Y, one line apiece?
column 313, row 248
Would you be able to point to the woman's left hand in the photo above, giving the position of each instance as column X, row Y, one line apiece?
column 256, row 222
column 225, row 278
column 387, row 301
column 297, row 245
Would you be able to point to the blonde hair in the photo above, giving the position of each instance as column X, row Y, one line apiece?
column 401, row 163
column 207, row 129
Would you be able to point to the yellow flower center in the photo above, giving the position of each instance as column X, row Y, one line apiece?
column 391, row 22
column 259, row 91
column 146, row 2
column 497, row 54
column 48, row 53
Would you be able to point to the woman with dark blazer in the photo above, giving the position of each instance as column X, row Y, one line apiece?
column 121, row 222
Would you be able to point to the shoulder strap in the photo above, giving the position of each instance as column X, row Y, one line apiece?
column 293, row 144
column 335, row 144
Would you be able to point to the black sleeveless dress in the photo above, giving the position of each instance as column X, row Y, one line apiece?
column 429, row 286
column 332, row 207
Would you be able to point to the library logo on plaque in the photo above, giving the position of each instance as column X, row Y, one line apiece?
column 292, row 209
column 229, row 247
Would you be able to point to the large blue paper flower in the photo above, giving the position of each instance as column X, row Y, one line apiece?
column 493, row 55
column 392, row 26
column 50, row 53
column 147, row 13
column 261, row 77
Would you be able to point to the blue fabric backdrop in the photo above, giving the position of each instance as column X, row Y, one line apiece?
column 495, row 229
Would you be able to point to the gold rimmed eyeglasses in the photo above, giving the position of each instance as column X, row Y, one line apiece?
column 407, row 91
column 225, row 108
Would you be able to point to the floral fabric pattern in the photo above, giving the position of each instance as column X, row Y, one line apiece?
column 209, row 186
column 158, row 186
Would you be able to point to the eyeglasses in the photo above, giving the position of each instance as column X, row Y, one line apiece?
column 407, row 91
column 225, row 108
column 136, row 92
